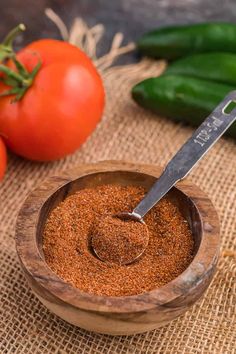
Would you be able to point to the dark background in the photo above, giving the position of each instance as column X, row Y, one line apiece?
column 132, row 17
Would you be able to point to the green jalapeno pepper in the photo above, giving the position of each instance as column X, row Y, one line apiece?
column 178, row 41
column 183, row 99
column 219, row 67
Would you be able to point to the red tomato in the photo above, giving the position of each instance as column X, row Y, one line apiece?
column 3, row 158
column 61, row 108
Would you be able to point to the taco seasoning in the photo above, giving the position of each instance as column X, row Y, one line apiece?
column 118, row 240
column 68, row 251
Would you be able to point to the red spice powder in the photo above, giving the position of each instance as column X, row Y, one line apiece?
column 66, row 242
column 117, row 240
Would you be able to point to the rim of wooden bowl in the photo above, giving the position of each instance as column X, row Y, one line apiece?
column 57, row 289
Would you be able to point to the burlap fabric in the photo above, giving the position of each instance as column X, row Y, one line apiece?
column 131, row 133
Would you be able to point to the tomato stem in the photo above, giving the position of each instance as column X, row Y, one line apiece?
column 6, row 49
column 12, row 35
column 18, row 80
column 11, row 74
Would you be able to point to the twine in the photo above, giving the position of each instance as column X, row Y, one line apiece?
column 87, row 39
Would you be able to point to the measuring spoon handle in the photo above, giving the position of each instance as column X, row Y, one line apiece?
column 190, row 153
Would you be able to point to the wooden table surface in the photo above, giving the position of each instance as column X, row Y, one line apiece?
column 132, row 17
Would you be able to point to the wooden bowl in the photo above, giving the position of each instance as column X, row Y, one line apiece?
column 126, row 314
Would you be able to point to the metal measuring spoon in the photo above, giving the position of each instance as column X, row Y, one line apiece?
column 182, row 163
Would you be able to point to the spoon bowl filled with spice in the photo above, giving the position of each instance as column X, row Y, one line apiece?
column 56, row 248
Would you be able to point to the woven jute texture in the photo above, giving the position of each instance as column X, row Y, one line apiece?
column 131, row 133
